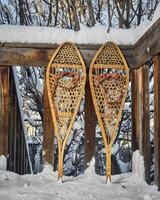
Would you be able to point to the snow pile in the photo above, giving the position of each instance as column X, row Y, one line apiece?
column 138, row 166
column 3, row 162
column 91, row 167
column 156, row 14
column 96, row 35
column 89, row 186
column 48, row 169
column 50, row 35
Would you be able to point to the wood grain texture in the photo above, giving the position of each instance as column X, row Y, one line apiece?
column 90, row 126
column 156, row 62
column 38, row 56
column 134, row 113
column 5, row 78
column 148, row 45
column 145, row 123
column 48, row 133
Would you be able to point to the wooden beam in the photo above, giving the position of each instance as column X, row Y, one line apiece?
column 12, row 142
column 38, row 56
column 156, row 62
column 135, row 111
column 25, row 54
column 48, row 135
column 5, row 78
column 148, row 45
column 145, row 122
column 90, row 126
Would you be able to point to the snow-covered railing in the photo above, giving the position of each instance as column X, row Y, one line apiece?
column 38, row 54
column 137, row 54
column 18, row 160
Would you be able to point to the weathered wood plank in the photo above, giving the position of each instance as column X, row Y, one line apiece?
column 145, row 122
column 48, row 135
column 11, row 165
column 25, row 56
column 41, row 56
column 4, row 132
column 156, row 61
column 54, row 46
column 90, row 126
column 134, row 113
column 148, row 45
column 1, row 116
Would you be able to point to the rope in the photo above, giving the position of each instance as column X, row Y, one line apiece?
column 101, row 78
column 75, row 78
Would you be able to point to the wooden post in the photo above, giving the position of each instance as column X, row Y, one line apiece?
column 145, row 122
column 136, row 113
column 90, row 125
column 5, row 78
column 140, row 110
column 48, row 135
column 156, row 61
column 134, row 110
column 12, row 141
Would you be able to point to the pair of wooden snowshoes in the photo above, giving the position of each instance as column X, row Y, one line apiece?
column 65, row 79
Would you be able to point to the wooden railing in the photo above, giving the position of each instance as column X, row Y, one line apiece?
column 141, row 118
column 137, row 55
column 18, row 153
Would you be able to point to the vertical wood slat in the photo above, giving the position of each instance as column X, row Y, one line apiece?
column 90, row 126
column 18, row 160
column 140, row 110
column 146, row 122
column 156, row 61
column 1, row 116
column 5, row 74
column 12, row 130
column 134, row 110
column 48, row 134
column 10, row 165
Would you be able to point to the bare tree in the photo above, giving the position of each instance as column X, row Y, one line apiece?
column 75, row 16
column 92, row 20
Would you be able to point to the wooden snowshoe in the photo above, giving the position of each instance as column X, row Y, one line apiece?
column 65, row 79
column 109, row 77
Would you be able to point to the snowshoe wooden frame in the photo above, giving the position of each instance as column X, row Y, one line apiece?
column 109, row 78
column 65, row 80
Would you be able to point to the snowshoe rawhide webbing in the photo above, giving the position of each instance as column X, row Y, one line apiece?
column 65, row 78
column 109, row 77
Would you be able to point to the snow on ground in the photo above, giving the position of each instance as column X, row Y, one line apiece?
column 3, row 162
column 95, row 35
column 89, row 186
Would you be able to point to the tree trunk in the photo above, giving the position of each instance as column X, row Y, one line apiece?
column 21, row 13
column 91, row 14
column 139, row 12
column 75, row 17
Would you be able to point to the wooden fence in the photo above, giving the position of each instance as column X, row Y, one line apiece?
column 13, row 135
